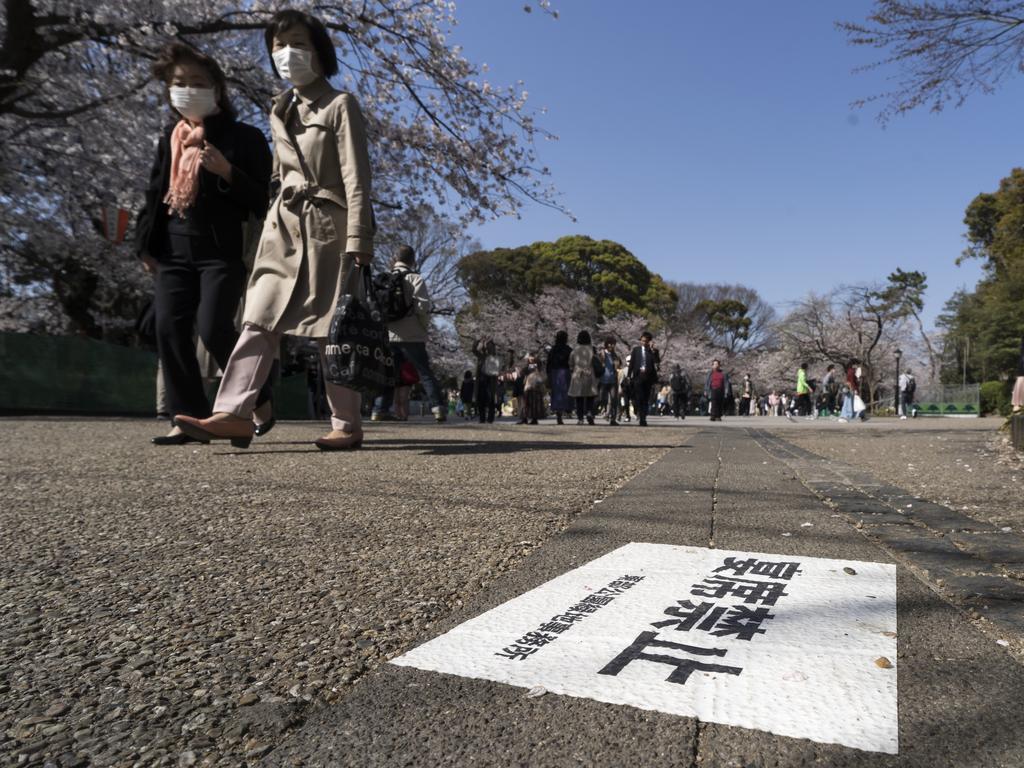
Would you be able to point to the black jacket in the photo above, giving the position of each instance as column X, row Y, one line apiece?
column 636, row 361
column 220, row 208
column 558, row 358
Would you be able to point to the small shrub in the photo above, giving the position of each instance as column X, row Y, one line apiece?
column 995, row 397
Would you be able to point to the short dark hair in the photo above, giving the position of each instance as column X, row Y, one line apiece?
column 562, row 337
column 647, row 335
column 172, row 54
column 831, row 367
column 804, row 365
column 583, row 337
column 609, row 340
column 406, row 255
column 318, row 36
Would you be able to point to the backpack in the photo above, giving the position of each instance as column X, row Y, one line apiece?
column 911, row 387
column 389, row 288
column 677, row 383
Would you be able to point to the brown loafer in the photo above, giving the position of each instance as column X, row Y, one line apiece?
column 220, row 426
column 336, row 440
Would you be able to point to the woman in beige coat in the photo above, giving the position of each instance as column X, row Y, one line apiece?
column 583, row 385
column 319, row 226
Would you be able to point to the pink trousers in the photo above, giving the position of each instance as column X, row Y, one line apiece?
column 249, row 367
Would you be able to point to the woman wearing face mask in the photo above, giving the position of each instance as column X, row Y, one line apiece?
column 211, row 173
column 319, row 226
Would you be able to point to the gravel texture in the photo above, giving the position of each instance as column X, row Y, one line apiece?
column 965, row 464
column 189, row 605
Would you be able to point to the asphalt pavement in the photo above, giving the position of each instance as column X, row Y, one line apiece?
column 741, row 485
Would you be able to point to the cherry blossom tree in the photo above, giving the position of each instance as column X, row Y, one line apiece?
column 79, row 115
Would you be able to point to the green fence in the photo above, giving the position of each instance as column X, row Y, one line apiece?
column 71, row 374
column 949, row 401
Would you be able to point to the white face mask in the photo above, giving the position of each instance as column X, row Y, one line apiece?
column 194, row 103
column 295, row 65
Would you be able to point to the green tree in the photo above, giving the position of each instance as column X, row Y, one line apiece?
column 903, row 296
column 983, row 328
column 617, row 281
column 726, row 322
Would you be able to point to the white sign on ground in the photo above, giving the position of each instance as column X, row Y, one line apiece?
column 797, row 646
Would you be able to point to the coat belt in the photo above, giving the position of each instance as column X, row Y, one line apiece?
column 314, row 195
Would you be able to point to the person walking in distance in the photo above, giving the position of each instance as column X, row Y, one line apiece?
column 467, row 391
column 853, row 405
column 908, row 387
column 318, row 229
column 830, row 388
column 559, row 374
column 746, row 395
column 408, row 306
column 803, row 392
column 531, row 404
column 679, row 384
column 210, row 175
column 717, row 388
column 609, row 382
column 583, row 386
column 488, row 366
column 643, row 373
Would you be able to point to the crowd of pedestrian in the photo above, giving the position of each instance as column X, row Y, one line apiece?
column 249, row 245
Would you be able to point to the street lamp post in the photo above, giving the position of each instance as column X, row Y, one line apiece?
column 899, row 354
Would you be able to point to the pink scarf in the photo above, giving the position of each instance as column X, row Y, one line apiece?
column 186, row 144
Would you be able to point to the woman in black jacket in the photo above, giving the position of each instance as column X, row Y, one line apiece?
column 559, row 375
column 211, row 174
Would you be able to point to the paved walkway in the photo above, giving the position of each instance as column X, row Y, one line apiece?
column 266, row 572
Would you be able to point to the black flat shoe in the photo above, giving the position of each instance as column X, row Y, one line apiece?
column 179, row 439
column 266, row 426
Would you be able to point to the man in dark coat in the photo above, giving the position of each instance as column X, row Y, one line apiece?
column 643, row 372
column 718, row 389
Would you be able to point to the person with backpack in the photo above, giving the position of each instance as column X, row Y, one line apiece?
column 403, row 295
column 679, row 385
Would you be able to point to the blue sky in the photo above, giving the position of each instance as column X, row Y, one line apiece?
column 717, row 143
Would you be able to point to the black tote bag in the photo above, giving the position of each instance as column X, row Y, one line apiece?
column 358, row 353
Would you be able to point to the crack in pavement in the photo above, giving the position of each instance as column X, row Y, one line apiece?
column 714, row 493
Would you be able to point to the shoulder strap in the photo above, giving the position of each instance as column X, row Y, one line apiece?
column 288, row 114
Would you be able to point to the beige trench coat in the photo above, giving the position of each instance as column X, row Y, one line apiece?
column 301, row 260
column 584, row 382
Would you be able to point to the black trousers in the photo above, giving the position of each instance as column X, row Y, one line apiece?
column 803, row 404
column 680, row 400
column 642, row 400
column 197, row 290
column 485, row 393
column 717, row 400
column 585, row 407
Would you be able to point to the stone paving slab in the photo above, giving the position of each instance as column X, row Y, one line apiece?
column 960, row 694
column 971, row 561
